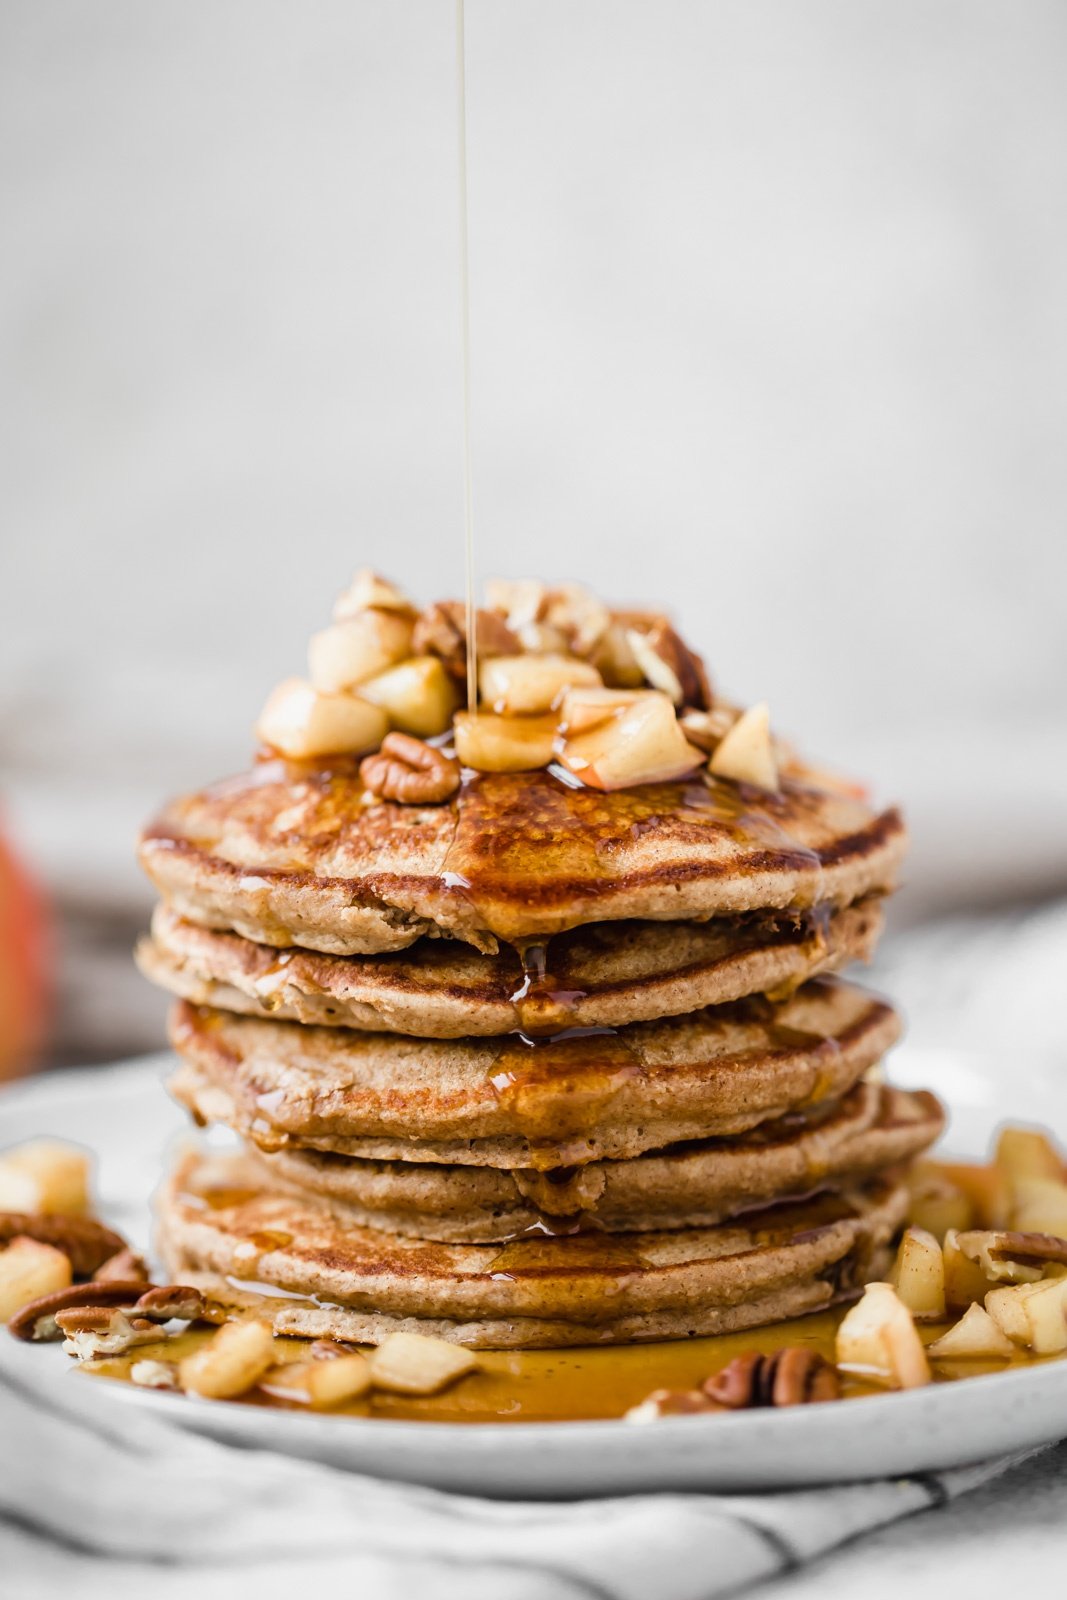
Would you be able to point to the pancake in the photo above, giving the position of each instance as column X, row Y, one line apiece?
column 217, row 1217
column 513, row 1102
column 605, row 975
column 303, row 855
column 695, row 1185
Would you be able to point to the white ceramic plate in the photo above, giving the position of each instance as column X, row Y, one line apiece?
column 124, row 1116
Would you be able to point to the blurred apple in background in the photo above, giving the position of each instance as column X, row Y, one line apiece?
column 24, row 962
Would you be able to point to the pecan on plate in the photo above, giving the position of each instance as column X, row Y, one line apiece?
column 36, row 1320
column 86, row 1243
column 42, row 1320
column 95, row 1331
column 172, row 1302
column 330, row 1349
column 125, row 1266
column 410, row 771
column 790, row 1377
column 442, row 631
column 1006, row 1256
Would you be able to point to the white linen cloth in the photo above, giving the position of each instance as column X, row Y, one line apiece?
column 141, row 1503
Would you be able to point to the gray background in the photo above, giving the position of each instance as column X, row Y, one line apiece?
column 768, row 322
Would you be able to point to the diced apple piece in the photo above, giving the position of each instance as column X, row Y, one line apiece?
column 232, row 1363
column 1045, row 1309
column 333, row 1383
column 581, row 616
column 1028, row 1153
column 919, row 1275
column 303, row 723
column 368, row 591
column 350, row 652
column 28, row 1270
column 615, row 660
column 412, row 1363
column 936, row 1204
column 640, row 743
column 583, row 709
column 986, row 1187
column 286, row 1381
column 1032, row 1314
column 965, row 1282
column 45, row 1175
column 542, row 639
column 489, row 743
column 419, row 696
column 529, row 685
column 520, row 601
column 655, row 669
column 746, row 753
column 319, row 1384
column 976, row 1337
column 1039, row 1205
column 1005, row 1306
column 878, row 1338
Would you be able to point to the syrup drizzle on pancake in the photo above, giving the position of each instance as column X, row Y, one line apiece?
column 542, row 1004
column 465, row 342
column 555, row 1090
column 613, row 1258
column 504, row 832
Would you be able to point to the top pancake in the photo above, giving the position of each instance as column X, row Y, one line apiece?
column 302, row 855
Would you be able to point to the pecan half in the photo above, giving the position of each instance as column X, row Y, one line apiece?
column 668, row 664
column 1006, row 1256
column 175, row 1302
column 330, row 1349
column 126, row 1266
column 790, row 1377
column 94, row 1331
column 442, row 631
column 37, row 1321
column 410, row 771
column 86, row 1243
column 706, row 728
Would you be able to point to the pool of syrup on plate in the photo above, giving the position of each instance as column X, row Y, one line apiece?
column 583, row 1384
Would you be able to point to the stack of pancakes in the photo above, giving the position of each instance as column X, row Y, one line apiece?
column 535, row 1066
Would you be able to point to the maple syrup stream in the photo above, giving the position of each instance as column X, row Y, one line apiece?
column 465, row 340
